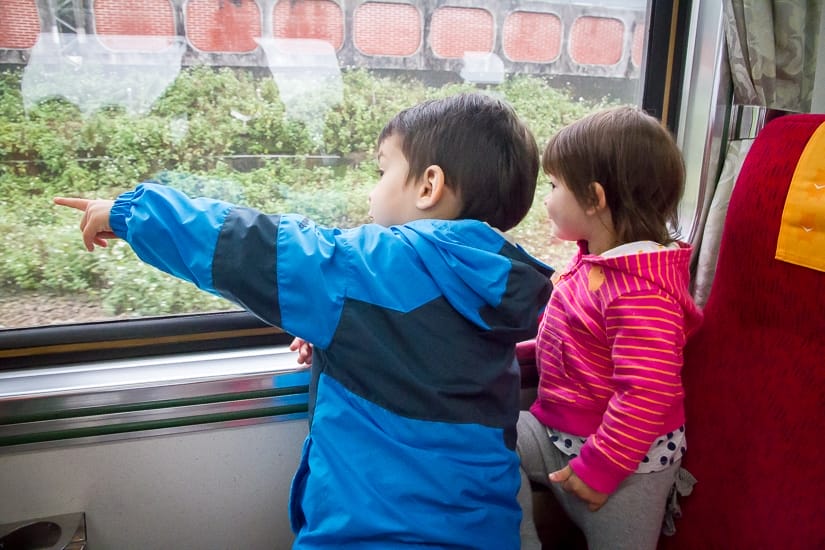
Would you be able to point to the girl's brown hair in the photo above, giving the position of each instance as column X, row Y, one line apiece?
column 637, row 163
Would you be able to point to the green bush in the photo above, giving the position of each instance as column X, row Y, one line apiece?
column 192, row 139
column 135, row 288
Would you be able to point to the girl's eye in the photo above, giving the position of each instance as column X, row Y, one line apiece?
column 380, row 173
column 552, row 185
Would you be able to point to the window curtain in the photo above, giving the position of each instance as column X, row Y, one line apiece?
column 772, row 47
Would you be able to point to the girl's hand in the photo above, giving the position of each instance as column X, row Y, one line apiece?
column 304, row 350
column 571, row 483
column 95, row 221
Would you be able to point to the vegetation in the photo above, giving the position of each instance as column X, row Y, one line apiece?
column 214, row 132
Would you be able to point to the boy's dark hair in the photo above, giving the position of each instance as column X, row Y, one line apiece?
column 636, row 161
column 489, row 157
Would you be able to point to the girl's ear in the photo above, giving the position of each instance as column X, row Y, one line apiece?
column 431, row 188
column 600, row 202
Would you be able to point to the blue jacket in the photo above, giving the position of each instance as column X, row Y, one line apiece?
column 414, row 393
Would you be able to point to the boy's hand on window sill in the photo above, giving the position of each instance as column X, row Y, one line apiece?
column 304, row 350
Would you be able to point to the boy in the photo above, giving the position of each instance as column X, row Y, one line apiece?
column 413, row 320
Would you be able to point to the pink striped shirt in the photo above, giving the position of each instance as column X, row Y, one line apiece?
column 609, row 353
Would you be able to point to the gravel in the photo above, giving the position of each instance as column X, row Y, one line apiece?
column 31, row 309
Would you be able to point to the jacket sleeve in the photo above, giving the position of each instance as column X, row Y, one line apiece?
column 255, row 260
column 645, row 334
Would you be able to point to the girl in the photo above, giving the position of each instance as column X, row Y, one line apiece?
column 606, row 431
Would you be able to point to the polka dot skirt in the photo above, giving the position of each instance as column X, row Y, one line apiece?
column 666, row 449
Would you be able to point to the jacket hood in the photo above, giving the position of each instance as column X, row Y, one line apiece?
column 491, row 282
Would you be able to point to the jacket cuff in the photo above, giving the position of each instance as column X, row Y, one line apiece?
column 598, row 471
column 121, row 210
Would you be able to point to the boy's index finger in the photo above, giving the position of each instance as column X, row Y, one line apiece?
column 78, row 204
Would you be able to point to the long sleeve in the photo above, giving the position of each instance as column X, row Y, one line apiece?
column 644, row 332
column 253, row 259
column 170, row 231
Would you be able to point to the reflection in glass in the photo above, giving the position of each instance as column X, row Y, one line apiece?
column 482, row 68
column 91, row 76
column 308, row 78
column 287, row 123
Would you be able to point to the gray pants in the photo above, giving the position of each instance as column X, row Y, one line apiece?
column 632, row 516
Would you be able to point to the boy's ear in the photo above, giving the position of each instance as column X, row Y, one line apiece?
column 431, row 188
column 599, row 202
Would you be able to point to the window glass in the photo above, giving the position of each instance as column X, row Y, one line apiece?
column 275, row 105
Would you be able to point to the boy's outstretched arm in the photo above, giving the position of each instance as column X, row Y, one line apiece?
column 95, row 221
column 278, row 267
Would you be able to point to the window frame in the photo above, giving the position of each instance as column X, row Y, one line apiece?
column 42, row 346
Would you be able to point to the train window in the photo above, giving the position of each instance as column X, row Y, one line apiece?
column 275, row 105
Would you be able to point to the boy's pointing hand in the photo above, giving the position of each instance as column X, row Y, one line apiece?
column 95, row 221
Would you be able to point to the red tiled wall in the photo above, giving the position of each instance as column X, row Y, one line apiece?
column 223, row 25
column 596, row 41
column 458, row 30
column 133, row 18
column 637, row 47
column 532, row 37
column 319, row 19
column 19, row 24
column 381, row 28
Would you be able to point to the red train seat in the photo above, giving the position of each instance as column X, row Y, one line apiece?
column 754, row 374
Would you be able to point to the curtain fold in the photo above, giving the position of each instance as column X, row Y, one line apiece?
column 715, row 219
column 772, row 47
column 772, row 50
